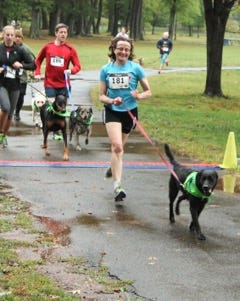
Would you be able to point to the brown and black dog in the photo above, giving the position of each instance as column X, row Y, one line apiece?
column 197, row 188
column 80, row 123
column 53, row 117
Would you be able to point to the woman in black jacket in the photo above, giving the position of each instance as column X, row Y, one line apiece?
column 13, row 60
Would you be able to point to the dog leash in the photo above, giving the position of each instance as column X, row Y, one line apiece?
column 67, row 79
column 140, row 127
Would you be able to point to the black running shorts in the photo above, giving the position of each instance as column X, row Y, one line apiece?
column 123, row 117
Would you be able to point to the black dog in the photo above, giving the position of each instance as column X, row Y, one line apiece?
column 80, row 122
column 196, row 187
column 53, row 117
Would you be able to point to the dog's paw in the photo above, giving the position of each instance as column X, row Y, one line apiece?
column 78, row 148
column 191, row 227
column 201, row 236
column 172, row 220
column 65, row 158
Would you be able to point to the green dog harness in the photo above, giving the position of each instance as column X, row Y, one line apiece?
column 191, row 187
column 89, row 121
column 61, row 114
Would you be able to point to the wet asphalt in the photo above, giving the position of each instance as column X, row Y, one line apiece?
column 133, row 238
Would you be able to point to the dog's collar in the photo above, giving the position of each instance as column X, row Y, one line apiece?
column 50, row 108
column 191, row 187
column 89, row 120
column 35, row 107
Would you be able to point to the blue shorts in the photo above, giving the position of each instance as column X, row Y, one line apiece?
column 53, row 92
column 163, row 57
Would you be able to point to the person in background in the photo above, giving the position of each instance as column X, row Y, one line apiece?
column 58, row 55
column 13, row 59
column 123, row 33
column 165, row 46
column 24, row 76
column 118, row 92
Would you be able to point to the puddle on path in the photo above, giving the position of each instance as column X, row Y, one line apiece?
column 119, row 215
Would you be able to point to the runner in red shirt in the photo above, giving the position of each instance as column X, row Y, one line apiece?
column 58, row 55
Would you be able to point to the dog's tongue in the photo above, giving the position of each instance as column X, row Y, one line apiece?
column 209, row 191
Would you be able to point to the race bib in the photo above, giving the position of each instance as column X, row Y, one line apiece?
column 57, row 61
column 165, row 49
column 119, row 81
column 10, row 72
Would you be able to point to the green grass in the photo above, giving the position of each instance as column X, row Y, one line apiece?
column 195, row 125
column 187, row 51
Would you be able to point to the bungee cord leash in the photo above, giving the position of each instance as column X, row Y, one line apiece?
column 67, row 78
column 141, row 129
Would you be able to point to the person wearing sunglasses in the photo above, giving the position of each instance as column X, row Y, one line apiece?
column 119, row 80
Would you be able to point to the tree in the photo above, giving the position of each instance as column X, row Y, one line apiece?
column 216, row 16
column 36, row 8
column 136, row 28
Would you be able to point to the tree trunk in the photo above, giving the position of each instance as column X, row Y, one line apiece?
column 100, row 5
column 35, row 24
column 45, row 24
column 172, row 19
column 216, row 16
column 116, row 11
column 136, row 21
column 54, row 18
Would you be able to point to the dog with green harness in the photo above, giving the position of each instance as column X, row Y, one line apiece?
column 196, row 186
column 80, row 122
column 53, row 117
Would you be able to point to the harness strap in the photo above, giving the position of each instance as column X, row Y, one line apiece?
column 89, row 121
column 73, row 117
column 191, row 187
column 61, row 114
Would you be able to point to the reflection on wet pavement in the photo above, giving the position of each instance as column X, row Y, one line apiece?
column 229, row 182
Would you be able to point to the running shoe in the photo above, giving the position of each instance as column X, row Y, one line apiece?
column 108, row 173
column 57, row 136
column 17, row 117
column 119, row 193
column 4, row 141
column 1, row 138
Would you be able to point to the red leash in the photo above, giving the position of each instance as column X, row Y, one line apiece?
column 169, row 166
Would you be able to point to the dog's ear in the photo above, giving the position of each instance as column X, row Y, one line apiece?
column 79, row 108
